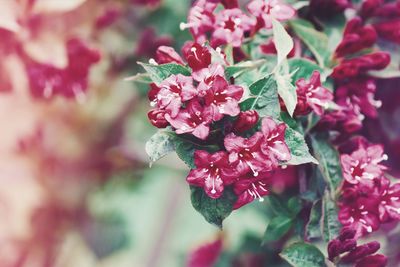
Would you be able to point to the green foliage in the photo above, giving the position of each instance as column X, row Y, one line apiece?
column 303, row 255
column 286, row 90
column 328, row 158
column 159, row 73
column 313, row 227
column 213, row 210
column 283, row 41
column 265, row 98
column 298, row 148
column 277, row 228
column 331, row 225
column 159, row 145
column 316, row 41
column 302, row 68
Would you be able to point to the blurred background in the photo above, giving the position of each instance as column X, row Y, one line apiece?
column 76, row 189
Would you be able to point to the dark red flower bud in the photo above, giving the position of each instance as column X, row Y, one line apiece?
column 348, row 245
column 167, row 54
column 333, row 249
column 347, row 233
column 389, row 10
column 157, row 118
column 227, row 3
column 377, row 260
column 245, row 121
column 389, row 30
column 369, row 7
column 198, row 57
column 153, row 92
column 361, row 252
column 356, row 37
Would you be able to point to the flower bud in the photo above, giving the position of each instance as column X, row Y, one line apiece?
column 377, row 260
column 245, row 121
column 157, row 118
column 167, row 54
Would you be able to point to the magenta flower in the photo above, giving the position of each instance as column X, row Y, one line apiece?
column 230, row 26
column 245, row 154
column 227, row 3
column 207, row 76
column 200, row 20
column 266, row 10
column 222, row 98
column 212, row 172
column 174, row 91
column 194, row 119
column 245, row 121
column 273, row 144
column 356, row 37
column 359, row 95
column 249, row 188
column 312, row 96
column 389, row 206
column 167, row 54
column 198, row 57
column 362, row 166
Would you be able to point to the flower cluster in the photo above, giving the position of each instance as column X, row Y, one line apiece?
column 360, row 255
column 231, row 25
column 368, row 199
column 247, row 164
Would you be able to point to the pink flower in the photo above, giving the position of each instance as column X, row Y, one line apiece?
column 205, row 255
column 245, row 154
column 174, row 91
column 356, row 37
column 266, row 10
column 273, row 144
column 245, row 121
column 167, row 54
column 200, row 20
column 249, row 188
column 207, row 76
column 222, row 98
column 230, row 26
column 359, row 94
column 362, row 166
column 212, row 172
column 389, row 206
column 312, row 96
column 198, row 57
column 359, row 212
column 194, row 119
column 227, row 3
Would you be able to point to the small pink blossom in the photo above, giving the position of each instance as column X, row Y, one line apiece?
column 230, row 27
column 167, row 54
column 266, row 10
column 245, row 154
column 194, row 119
column 212, row 172
column 245, row 121
column 273, row 143
column 312, row 95
column 250, row 188
column 223, row 98
column 363, row 165
column 174, row 91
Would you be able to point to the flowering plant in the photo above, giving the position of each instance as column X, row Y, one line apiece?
column 271, row 85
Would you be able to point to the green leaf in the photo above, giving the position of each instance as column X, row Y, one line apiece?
column 302, row 68
column 331, row 225
column 286, row 90
column 303, row 255
column 313, row 227
column 265, row 100
column 140, row 78
column 298, row 148
column 294, row 205
column 277, row 205
column 283, row 41
column 185, row 152
column 328, row 157
column 159, row 73
column 159, row 145
column 277, row 228
column 213, row 210
column 316, row 41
